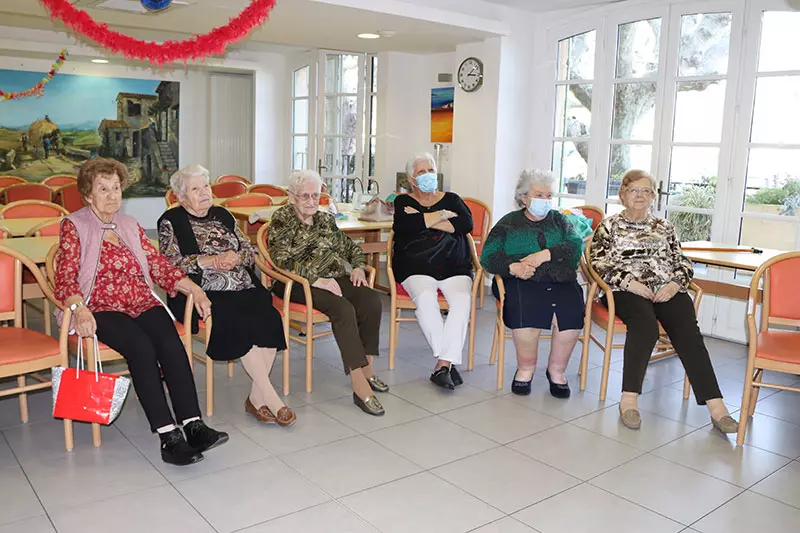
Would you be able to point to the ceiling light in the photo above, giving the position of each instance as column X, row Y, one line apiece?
column 368, row 36
column 100, row 61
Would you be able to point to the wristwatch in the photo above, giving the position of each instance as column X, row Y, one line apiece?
column 443, row 214
column 76, row 305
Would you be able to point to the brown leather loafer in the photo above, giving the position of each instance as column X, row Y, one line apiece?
column 262, row 414
column 285, row 417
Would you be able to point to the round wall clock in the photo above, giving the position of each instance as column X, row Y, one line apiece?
column 470, row 74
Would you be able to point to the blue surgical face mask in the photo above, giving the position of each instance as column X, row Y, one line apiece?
column 539, row 207
column 427, row 182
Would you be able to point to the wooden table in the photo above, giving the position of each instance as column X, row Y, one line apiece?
column 744, row 260
column 18, row 227
column 277, row 200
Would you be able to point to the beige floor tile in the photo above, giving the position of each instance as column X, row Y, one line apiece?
column 501, row 419
column 437, row 400
column 784, row 405
column 320, row 519
column 505, row 525
column 38, row 524
column 669, row 489
column 773, row 435
column 669, row 403
column 655, row 431
column 17, row 499
column 398, row 411
column 750, row 512
column 506, row 479
column 783, row 485
column 576, row 451
column 579, row 403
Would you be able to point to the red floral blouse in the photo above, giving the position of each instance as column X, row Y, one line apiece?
column 119, row 285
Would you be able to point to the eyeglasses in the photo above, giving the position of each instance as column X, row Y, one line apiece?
column 308, row 196
column 641, row 192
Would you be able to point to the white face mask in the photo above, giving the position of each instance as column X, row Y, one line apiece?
column 539, row 207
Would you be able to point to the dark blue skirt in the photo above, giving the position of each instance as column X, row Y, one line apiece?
column 532, row 304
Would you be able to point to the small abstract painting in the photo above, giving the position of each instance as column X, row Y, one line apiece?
column 134, row 121
column 442, row 114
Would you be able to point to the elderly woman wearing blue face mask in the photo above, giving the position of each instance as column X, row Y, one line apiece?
column 432, row 254
column 536, row 251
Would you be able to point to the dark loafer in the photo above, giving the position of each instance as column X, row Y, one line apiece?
column 558, row 390
column 443, row 379
column 176, row 451
column 202, row 438
column 371, row 405
column 521, row 388
column 455, row 376
column 377, row 384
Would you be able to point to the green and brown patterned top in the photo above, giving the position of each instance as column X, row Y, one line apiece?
column 319, row 250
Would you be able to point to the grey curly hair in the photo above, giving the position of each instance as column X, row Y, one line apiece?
column 299, row 177
column 527, row 178
column 178, row 180
column 416, row 158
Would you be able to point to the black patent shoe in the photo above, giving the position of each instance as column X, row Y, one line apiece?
column 371, row 405
column 521, row 388
column 202, row 438
column 558, row 390
column 176, row 451
column 443, row 379
column 455, row 376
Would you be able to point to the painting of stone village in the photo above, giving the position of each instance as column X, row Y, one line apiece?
column 78, row 117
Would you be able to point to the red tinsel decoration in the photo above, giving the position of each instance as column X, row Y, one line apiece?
column 196, row 47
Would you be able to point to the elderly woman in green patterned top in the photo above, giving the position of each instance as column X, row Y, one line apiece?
column 536, row 251
column 307, row 242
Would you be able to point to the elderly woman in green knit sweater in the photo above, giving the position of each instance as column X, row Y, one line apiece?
column 536, row 251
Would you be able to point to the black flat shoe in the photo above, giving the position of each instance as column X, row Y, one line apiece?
column 176, row 451
column 558, row 390
column 455, row 376
column 443, row 379
column 521, row 388
column 202, row 438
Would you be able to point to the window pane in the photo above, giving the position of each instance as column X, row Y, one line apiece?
column 570, row 202
column 625, row 157
column 773, row 182
column 299, row 153
column 613, row 209
column 341, row 115
column 693, row 176
column 780, row 41
column 570, row 166
column 300, row 116
column 634, row 111
column 699, row 109
column 777, row 107
column 573, row 110
column 374, row 78
column 372, row 143
column 300, row 82
column 774, row 234
column 373, row 127
column 691, row 226
column 638, row 48
column 576, row 57
column 339, row 156
column 705, row 42
column 341, row 73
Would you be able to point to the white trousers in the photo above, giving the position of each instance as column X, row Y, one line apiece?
column 445, row 337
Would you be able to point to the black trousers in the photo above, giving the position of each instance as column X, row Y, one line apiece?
column 355, row 318
column 641, row 317
column 147, row 342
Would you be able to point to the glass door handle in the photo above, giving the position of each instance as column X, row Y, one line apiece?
column 661, row 193
column 321, row 167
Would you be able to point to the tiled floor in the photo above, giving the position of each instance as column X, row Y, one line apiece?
column 475, row 459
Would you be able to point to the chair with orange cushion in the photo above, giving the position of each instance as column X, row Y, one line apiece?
column 170, row 198
column 226, row 178
column 325, row 199
column 69, row 197
column 605, row 317
column 48, row 228
column 228, row 189
column 400, row 300
column 106, row 353
column 773, row 349
column 7, row 181
column 481, row 224
column 251, row 199
column 59, row 180
column 593, row 213
column 299, row 317
column 32, row 209
column 271, row 190
column 25, row 352
column 27, row 191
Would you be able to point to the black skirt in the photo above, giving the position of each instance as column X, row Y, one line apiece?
column 532, row 304
column 241, row 320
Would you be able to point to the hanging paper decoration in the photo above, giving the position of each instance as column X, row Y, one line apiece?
column 38, row 89
column 156, row 5
column 197, row 47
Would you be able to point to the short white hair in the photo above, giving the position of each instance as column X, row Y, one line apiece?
column 178, row 180
column 527, row 179
column 300, row 177
column 416, row 158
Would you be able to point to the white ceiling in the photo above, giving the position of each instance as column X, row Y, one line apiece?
column 537, row 6
column 297, row 23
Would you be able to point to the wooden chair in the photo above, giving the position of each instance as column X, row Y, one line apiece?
column 401, row 300
column 32, row 209
column 227, row 178
column 48, row 228
column 271, row 190
column 251, row 199
column 777, row 350
column 104, row 351
column 324, row 199
column 593, row 213
column 300, row 317
column 25, row 352
column 170, row 198
column 69, row 197
column 482, row 223
column 7, row 181
column 59, row 180
column 605, row 317
column 228, row 189
column 27, row 191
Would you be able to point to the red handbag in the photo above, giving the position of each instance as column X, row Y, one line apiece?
column 85, row 396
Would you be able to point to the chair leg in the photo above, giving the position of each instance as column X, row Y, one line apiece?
column 209, row 386
column 46, row 310
column 392, row 336
column 97, row 439
column 23, row 400
column 483, row 292
column 493, row 351
column 756, row 390
column 584, row 368
column 686, row 386
column 230, row 369
column 309, row 356
column 69, row 439
column 745, row 409
column 606, row 363
column 501, row 353
column 286, row 371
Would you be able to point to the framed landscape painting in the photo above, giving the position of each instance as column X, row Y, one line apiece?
column 442, row 114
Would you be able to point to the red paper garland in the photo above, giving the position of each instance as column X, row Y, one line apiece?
column 196, row 47
column 38, row 89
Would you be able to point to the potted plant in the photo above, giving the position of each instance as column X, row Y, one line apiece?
column 576, row 184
